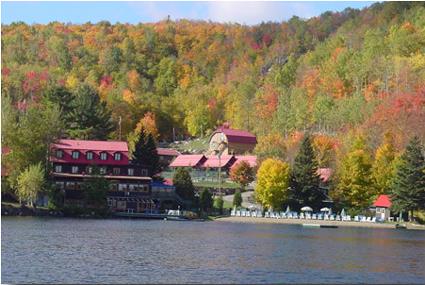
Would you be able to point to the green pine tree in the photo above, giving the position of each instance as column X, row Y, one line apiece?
column 89, row 118
column 237, row 198
column 183, row 183
column 408, row 191
column 145, row 153
column 206, row 200
column 304, row 178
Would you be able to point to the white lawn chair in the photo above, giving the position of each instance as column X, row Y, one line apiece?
column 373, row 220
column 302, row 216
column 314, row 217
column 356, row 219
column 296, row 216
column 332, row 218
column 326, row 217
column 308, row 216
column 349, row 218
column 369, row 219
column 267, row 215
column 233, row 213
column 363, row 219
column 338, row 218
column 238, row 213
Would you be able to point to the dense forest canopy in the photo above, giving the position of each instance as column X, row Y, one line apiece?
column 351, row 71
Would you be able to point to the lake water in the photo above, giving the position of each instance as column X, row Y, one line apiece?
column 48, row 250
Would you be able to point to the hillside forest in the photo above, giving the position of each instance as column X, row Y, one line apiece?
column 350, row 76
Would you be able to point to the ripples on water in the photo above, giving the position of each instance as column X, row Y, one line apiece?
column 141, row 251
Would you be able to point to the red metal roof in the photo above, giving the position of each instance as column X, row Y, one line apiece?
column 188, row 160
column 213, row 161
column 324, row 173
column 383, row 201
column 237, row 136
column 251, row 159
column 91, row 145
column 167, row 152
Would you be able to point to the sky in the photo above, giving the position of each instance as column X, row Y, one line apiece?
column 249, row 13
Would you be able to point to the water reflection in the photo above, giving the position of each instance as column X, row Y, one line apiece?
column 136, row 251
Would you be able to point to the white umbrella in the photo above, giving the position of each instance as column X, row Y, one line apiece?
column 287, row 210
column 325, row 209
column 306, row 209
column 343, row 213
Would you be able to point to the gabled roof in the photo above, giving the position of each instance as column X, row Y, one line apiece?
column 214, row 162
column 167, row 152
column 251, row 159
column 91, row 145
column 188, row 160
column 237, row 136
column 324, row 174
column 383, row 201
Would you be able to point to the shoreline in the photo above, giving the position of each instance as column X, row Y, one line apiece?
column 252, row 220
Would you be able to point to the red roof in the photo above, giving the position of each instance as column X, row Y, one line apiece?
column 109, row 146
column 167, row 152
column 237, row 136
column 214, row 162
column 188, row 160
column 251, row 159
column 383, row 201
column 324, row 173
column 168, row 181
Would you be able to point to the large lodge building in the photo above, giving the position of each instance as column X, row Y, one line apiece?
column 74, row 161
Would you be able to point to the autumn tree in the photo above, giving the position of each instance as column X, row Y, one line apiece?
column 354, row 174
column 242, row 173
column 272, row 183
column 30, row 183
column 383, row 170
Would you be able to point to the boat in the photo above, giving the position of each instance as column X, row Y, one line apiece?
column 329, row 226
column 311, row 225
column 400, row 226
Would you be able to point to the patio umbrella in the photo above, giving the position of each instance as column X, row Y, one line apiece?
column 325, row 209
column 343, row 213
column 306, row 209
column 287, row 210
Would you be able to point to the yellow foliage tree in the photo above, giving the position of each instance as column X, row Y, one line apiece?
column 384, row 166
column 272, row 183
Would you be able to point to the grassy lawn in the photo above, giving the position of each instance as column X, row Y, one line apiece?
column 216, row 184
column 199, row 145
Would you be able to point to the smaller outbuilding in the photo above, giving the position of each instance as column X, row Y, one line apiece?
column 382, row 207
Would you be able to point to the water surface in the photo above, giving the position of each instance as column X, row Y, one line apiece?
column 49, row 250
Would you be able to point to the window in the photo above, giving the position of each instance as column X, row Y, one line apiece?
column 102, row 170
column 75, row 154
column 89, row 169
column 59, row 153
column 116, row 171
column 74, row 169
column 144, row 172
column 103, row 155
column 117, row 156
column 89, row 155
column 58, row 168
column 130, row 171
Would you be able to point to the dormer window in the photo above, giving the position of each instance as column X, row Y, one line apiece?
column 59, row 153
column 89, row 155
column 103, row 156
column 75, row 154
column 117, row 156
